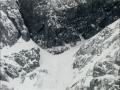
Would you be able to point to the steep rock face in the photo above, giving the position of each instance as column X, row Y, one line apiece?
column 90, row 18
column 11, row 23
column 96, row 64
column 7, row 37
column 57, row 22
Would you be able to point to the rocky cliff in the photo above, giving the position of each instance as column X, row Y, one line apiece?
column 12, row 28
column 53, row 23
column 97, row 63
column 11, row 23
column 58, row 22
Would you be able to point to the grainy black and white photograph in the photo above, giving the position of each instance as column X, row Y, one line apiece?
column 59, row 44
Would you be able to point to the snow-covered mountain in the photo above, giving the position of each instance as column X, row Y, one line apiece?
column 93, row 63
column 86, row 42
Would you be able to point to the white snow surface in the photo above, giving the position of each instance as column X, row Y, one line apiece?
column 59, row 70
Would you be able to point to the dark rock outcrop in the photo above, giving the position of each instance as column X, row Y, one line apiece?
column 26, row 60
column 103, row 68
column 97, row 61
column 105, row 83
column 57, row 22
column 29, row 60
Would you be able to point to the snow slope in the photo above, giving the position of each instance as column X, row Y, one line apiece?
column 60, row 69
column 56, row 71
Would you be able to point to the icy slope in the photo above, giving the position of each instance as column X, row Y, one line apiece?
column 60, row 69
